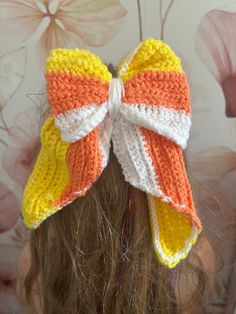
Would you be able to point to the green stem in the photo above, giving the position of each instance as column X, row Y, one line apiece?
column 140, row 21
column 4, row 127
column 160, row 11
column 164, row 19
column 3, row 143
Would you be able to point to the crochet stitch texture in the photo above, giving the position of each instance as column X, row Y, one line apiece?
column 145, row 112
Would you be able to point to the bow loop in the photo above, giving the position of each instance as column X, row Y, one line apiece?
column 150, row 55
column 157, row 92
column 77, row 85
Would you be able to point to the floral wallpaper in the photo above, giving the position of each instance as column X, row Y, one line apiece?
column 205, row 40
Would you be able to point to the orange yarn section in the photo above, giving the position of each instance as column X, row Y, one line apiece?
column 159, row 88
column 169, row 167
column 85, row 165
column 67, row 91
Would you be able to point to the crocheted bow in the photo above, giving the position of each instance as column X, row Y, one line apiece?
column 145, row 112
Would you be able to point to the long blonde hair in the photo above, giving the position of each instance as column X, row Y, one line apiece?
column 96, row 256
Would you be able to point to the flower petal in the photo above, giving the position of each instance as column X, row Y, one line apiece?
column 94, row 27
column 12, row 70
column 85, row 6
column 77, row 24
column 215, row 45
column 18, row 158
column 55, row 37
column 214, row 162
column 9, row 208
column 18, row 162
column 19, row 20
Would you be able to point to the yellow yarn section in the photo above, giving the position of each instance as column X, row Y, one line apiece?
column 173, row 233
column 152, row 55
column 77, row 62
column 48, row 179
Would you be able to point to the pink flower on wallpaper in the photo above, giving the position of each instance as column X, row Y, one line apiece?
column 218, row 165
column 216, row 46
column 8, row 278
column 9, row 208
column 19, row 157
column 219, row 223
column 214, row 180
column 214, row 163
column 61, row 23
column 215, row 171
column 20, row 234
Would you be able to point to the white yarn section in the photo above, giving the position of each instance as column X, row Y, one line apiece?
column 129, row 147
column 105, row 131
column 171, row 123
column 77, row 123
column 116, row 91
column 156, row 236
column 128, row 60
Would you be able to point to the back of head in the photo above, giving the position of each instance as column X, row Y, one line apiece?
column 95, row 256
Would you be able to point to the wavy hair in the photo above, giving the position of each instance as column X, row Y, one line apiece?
column 96, row 256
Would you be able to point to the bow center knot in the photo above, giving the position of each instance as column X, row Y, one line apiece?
column 116, row 91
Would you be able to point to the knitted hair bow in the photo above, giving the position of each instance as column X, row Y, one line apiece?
column 145, row 112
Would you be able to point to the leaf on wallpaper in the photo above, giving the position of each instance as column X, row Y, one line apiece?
column 213, row 162
column 215, row 45
column 9, row 208
column 12, row 70
column 39, row 99
column 19, row 157
column 21, row 234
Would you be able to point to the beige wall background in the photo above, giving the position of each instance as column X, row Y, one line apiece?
column 201, row 32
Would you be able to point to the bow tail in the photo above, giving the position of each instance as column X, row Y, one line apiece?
column 70, row 170
column 175, row 225
column 173, row 233
column 154, row 164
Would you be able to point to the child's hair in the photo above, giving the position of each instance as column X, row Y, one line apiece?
column 96, row 256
